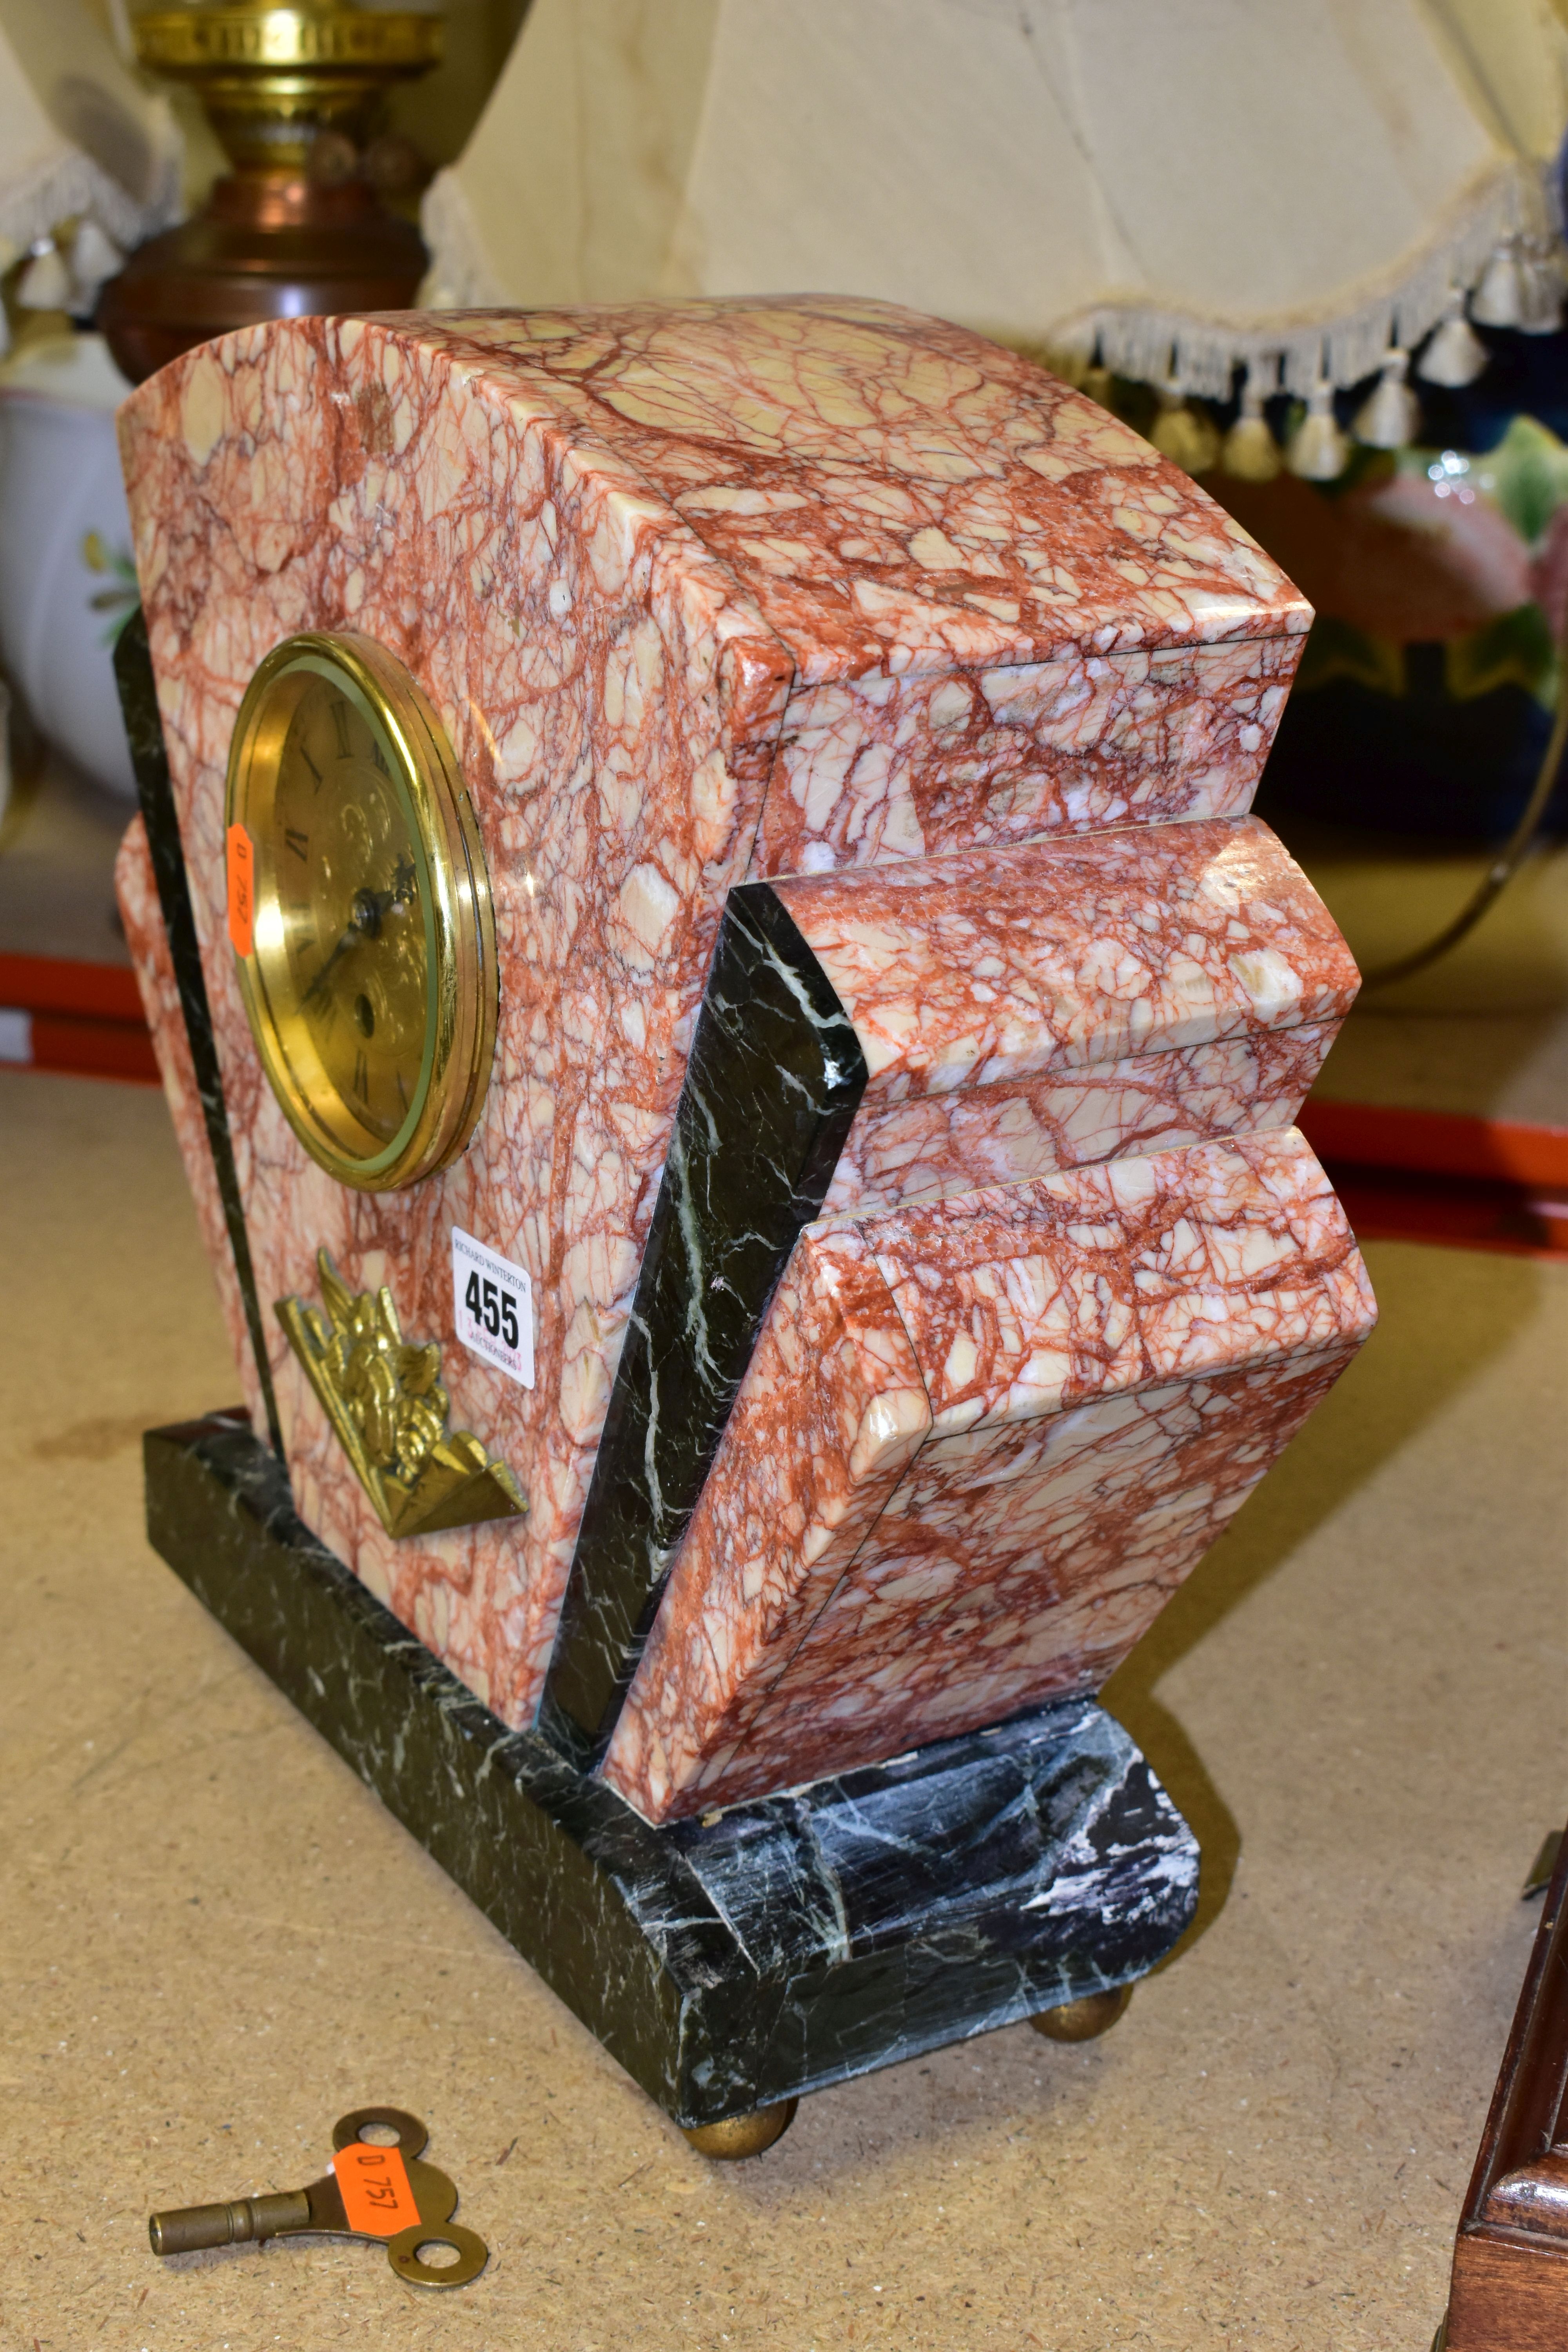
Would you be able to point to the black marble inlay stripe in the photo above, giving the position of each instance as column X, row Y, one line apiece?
column 792, row 1943
column 776, row 1076
column 149, row 761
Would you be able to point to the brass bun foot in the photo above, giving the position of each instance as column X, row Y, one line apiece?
column 1083, row 2021
column 740, row 2136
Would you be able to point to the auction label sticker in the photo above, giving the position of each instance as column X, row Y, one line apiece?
column 492, row 1306
column 374, row 2187
column 239, row 859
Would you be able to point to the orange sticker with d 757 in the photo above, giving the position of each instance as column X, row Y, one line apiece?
column 240, row 860
column 374, row 2185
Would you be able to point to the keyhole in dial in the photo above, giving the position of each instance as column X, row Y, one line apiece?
column 364, row 1016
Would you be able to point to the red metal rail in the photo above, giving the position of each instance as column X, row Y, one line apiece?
column 84, row 1017
column 1438, row 1176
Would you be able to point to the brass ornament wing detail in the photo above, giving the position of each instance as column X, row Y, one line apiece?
column 383, row 1397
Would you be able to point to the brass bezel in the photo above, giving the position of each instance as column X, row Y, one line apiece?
column 462, row 989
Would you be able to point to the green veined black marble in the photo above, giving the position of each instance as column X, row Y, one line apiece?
column 776, row 1076
column 149, row 763
column 785, row 1946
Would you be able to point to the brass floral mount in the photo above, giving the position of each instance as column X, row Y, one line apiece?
column 383, row 1397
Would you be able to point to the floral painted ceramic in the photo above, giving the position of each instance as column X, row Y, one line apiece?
column 67, row 581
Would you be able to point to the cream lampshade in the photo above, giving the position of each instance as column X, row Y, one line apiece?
column 81, row 142
column 1283, row 181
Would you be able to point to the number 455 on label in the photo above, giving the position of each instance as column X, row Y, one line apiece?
column 492, row 1303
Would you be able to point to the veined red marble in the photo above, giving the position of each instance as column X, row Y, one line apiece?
column 985, row 967
column 136, row 889
column 632, row 556
column 985, row 986
column 1006, row 613
column 1005, row 1133
column 895, row 765
column 1109, row 1359
column 892, row 491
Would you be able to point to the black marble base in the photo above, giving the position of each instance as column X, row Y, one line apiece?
column 779, row 1948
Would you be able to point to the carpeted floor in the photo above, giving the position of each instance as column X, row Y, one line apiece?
column 213, row 1941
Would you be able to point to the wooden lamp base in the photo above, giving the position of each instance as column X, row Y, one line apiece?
column 261, row 247
column 292, row 89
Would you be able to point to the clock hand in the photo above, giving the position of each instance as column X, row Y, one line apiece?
column 364, row 923
column 364, row 920
column 350, row 939
column 370, row 905
column 317, row 987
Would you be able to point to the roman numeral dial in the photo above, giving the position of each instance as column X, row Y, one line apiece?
column 371, row 899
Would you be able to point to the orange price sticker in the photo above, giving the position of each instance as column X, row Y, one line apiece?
column 374, row 2185
column 241, row 865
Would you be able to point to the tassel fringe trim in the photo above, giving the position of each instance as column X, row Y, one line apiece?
column 1152, row 346
column 69, row 185
column 1197, row 356
column 461, row 276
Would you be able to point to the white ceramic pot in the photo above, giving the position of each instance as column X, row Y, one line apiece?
column 67, row 581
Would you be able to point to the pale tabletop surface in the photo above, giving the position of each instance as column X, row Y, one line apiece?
column 215, row 1941
column 58, row 838
column 1484, row 1031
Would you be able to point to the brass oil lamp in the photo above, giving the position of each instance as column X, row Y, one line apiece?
column 292, row 91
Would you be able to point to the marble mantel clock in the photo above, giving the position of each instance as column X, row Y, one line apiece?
column 736, row 1046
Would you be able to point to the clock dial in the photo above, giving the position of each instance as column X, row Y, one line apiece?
column 368, row 976
column 348, row 869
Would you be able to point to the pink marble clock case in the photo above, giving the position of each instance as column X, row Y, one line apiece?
column 1035, row 1008
column 980, row 1443
column 701, row 593
column 1147, row 986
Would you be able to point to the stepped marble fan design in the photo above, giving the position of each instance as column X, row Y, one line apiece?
column 717, row 986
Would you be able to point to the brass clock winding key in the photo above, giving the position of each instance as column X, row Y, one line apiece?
column 372, row 2191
